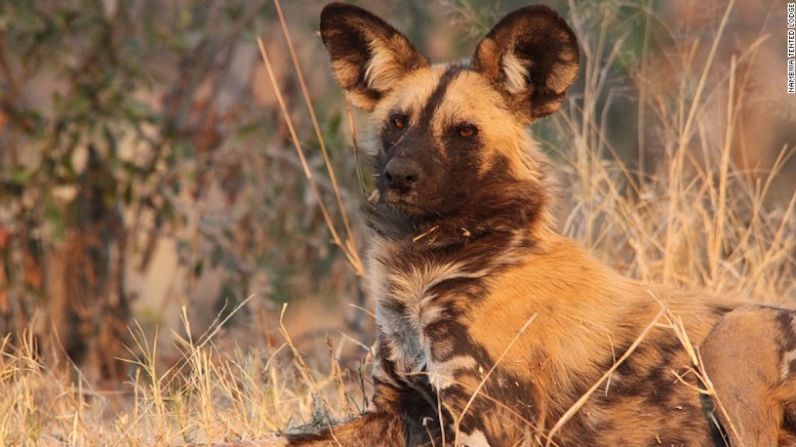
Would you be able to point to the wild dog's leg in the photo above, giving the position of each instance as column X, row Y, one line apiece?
column 486, row 420
column 385, row 424
column 748, row 357
column 374, row 428
column 396, row 418
column 482, row 407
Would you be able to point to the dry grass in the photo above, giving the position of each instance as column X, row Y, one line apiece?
column 697, row 221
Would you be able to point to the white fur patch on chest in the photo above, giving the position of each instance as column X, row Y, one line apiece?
column 404, row 328
column 405, row 306
column 474, row 439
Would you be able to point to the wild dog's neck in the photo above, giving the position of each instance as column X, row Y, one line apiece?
column 481, row 220
column 479, row 249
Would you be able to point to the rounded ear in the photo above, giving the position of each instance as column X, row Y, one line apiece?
column 532, row 56
column 368, row 55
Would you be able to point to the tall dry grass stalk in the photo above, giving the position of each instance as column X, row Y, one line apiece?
column 347, row 244
column 696, row 221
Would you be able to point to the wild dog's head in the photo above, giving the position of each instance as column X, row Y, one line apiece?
column 449, row 141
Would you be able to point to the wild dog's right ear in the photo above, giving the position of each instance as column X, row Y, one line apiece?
column 532, row 56
column 368, row 55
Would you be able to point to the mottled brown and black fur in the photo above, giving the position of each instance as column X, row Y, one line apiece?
column 490, row 325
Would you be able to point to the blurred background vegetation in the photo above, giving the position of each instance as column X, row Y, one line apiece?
column 145, row 166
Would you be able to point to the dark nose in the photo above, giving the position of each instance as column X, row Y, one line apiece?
column 401, row 173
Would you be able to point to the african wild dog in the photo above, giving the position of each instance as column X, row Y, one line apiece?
column 491, row 325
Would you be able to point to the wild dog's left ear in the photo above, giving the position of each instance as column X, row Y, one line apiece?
column 532, row 55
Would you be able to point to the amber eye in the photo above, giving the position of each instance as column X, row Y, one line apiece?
column 466, row 130
column 398, row 121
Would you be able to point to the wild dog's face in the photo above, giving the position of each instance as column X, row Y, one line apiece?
column 449, row 140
